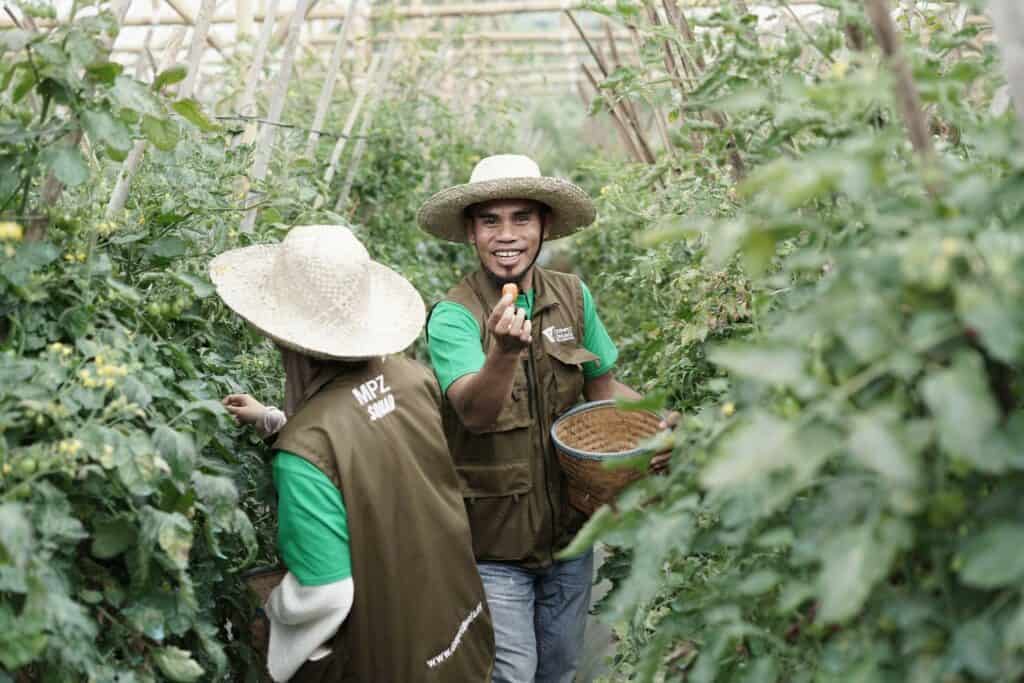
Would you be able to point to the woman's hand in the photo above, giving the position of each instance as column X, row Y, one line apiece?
column 246, row 409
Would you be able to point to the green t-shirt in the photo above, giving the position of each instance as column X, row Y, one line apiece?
column 312, row 526
column 456, row 351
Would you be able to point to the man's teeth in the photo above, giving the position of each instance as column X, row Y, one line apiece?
column 507, row 254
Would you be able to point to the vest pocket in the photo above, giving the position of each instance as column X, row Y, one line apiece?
column 491, row 480
column 567, row 373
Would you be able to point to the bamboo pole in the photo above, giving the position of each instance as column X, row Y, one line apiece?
column 248, row 98
column 627, row 139
column 1008, row 21
column 905, row 89
column 350, row 122
column 119, row 197
column 328, row 87
column 187, row 19
column 265, row 145
column 364, row 128
column 195, row 50
column 629, row 114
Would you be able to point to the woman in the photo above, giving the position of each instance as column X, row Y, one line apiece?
column 381, row 583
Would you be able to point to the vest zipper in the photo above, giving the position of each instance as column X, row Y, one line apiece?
column 536, row 414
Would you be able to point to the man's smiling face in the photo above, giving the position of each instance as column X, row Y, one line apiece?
column 507, row 236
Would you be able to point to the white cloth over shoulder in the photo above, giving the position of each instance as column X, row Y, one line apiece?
column 302, row 620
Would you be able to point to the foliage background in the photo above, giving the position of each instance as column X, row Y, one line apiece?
column 839, row 327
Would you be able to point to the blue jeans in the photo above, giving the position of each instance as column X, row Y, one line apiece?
column 539, row 618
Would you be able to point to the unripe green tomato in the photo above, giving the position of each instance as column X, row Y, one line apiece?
column 40, row 421
column 27, row 467
column 180, row 304
column 153, row 309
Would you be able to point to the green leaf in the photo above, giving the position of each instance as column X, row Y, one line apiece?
column 190, row 110
column 67, row 164
column 169, row 247
column 177, row 449
column 780, row 366
column 965, row 412
column 200, row 288
column 999, row 323
column 758, row 583
column 133, row 95
column 161, row 132
column 112, row 537
column 104, row 128
column 976, row 648
column 177, row 665
column 653, row 402
column 753, row 448
column 106, row 72
column 602, row 520
column 16, row 536
column 853, row 562
column 875, row 447
column 175, row 74
column 171, row 532
column 994, row 558
column 126, row 292
column 14, row 39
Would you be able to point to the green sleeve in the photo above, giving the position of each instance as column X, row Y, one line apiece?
column 453, row 339
column 312, row 525
column 596, row 339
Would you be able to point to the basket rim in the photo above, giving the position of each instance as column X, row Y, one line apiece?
column 592, row 455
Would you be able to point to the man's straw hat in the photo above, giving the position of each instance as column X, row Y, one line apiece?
column 506, row 176
column 318, row 292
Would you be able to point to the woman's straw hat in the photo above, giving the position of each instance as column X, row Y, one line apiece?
column 506, row 176
column 318, row 292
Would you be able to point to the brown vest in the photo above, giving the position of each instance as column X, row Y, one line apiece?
column 514, row 489
column 419, row 611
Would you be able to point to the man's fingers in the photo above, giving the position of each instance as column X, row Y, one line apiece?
column 500, row 310
column 527, row 334
column 515, row 328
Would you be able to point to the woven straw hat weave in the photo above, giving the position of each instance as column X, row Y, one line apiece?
column 318, row 292
column 507, row 176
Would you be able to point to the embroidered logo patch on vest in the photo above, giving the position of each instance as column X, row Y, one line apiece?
column 557, row 335
column 376, row 397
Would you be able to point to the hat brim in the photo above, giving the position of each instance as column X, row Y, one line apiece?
column 443, row 214
column 391, row 317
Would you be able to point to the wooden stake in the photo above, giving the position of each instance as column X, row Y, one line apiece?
column 905, row 89
column 195, row 51
column 1008, row 21
column 187, row 18
column 248, row 98
column 328, row 87
column 364, row 129
column 119, row 197
column 265, row 145
column 627, row 140
column 350, row 122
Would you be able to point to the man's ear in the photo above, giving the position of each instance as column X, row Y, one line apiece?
column 470, row 232
column 546, row 219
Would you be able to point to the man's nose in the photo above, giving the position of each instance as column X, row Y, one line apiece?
column 506, row 231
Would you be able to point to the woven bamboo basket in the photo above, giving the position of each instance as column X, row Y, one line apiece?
column 592, row 434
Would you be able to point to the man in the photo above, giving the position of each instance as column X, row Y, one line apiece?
column 508, row 369
column 381, row 583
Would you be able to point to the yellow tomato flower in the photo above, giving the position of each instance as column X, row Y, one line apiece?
column 728, row 409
